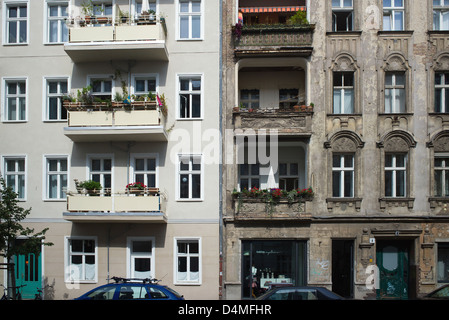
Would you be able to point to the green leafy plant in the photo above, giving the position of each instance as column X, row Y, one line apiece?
column 90, row 185
column 299, row 18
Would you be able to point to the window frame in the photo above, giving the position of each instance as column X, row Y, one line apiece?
column 101, row 77
column 444, row 173
column 250, row 176
column 16, row 173
column 176, row 255
column 394, row 169
column 341, row 170
column 59, row 94
column 68, row 254
column 130, row 255
column 189, row 172
column 444, row 94
column 440, row 10
column 45, row 180
column 60, row 18
column 6, row 5
column 90, row 172
column 342, row 90
column 6, row 95
column 341, row 9
column 390, row 12
column 190, row 15
column 252, row 102
column 144, row 76
column 441, row 245
column 133, row 170
column 190, row 92
column 395, row 88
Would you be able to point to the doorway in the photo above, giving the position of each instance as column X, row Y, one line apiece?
column 343, row 267
column 393, row 261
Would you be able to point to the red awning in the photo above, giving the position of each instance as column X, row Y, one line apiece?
column 272, row 9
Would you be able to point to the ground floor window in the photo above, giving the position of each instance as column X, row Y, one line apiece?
column 443, row 262
column 272, row 262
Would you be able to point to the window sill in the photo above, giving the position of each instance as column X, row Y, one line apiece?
column 396, row 202
column 343, row 203
column 395, row 32
column 344, row 33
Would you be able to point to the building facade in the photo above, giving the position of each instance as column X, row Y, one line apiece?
column 349, row 192
column 123, row 99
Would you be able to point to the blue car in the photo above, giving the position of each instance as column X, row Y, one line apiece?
column 131, row 289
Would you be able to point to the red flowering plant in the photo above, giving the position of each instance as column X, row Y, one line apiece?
column 135, row 185
column 305, row 193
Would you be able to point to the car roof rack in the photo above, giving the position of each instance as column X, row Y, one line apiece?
column 125, row 280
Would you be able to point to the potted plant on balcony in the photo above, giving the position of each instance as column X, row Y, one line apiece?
column 91, row 187
column 87, row 8
column 136, row 188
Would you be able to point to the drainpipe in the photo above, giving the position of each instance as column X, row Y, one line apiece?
column 220, row 222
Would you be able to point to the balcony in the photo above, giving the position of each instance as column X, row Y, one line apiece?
column 145, row 206
column 128, row 41
column 99, row 122
column 273, row 205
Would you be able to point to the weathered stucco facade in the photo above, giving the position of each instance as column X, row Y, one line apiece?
column 369, row 220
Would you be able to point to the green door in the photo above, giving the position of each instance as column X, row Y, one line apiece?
column 28, row 271
column 393, row 264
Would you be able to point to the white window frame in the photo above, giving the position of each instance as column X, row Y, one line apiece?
column 102, row 157
column 146, row 77
column 444, row 90
column 16, row 173
column 341, row 170
column 62, row 196
column 342, row 8
column 101, row 77
column 5, row 97
column 6, row 5
column 176, row 255
column 395, row 88
column 59, row 94
column 190, row 14
column 439, row 12
column 153, row 6
column 60, row 18
column 343, row 89
column 130, row 255
column 133, row 170
column 391, row 13
column 394, row 169
column 444, row 169
column 67, row 261
column 190, row 92
column 189, row 172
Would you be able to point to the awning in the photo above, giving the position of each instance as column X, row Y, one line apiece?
column 272, row 9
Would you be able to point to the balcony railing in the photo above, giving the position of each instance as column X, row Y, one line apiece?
column 279, row 39
column 140, row 120
column 117, row 41
column 144, row 206
column 286, row 121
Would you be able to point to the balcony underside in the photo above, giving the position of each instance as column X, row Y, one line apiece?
column 116, row 217
column 106, row 51
column 103, row 134
column 264, row 52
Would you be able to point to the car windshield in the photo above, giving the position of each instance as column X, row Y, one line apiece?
column 174, row 292
column 443, row 293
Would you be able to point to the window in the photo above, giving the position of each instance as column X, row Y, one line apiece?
column 143, row 85
column 288, row 176
column 55, row 90
column 16, row 23
column 57, row 30
column 15, row 100
column 442, row 92
column 188, row 263
column 14, row 174
column 56, row 178
column 249, row 176
column 441, row 175
column 393, row 16
column 287, row 98
column 151, row 3
column 342, row 15
column 82, row 260
column 443, row 262
column 189, row 19
column 343, row 92
column 395, row 175
column 343, row 175
column 145, row 170
column 395, row 92
column 250, row 98
column 101, row 171
column 141, row 258
column 190, row 171
column 440, row 14
column 101, row 88
column 190, row 97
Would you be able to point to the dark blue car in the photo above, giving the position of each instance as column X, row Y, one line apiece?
column 131, row 289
